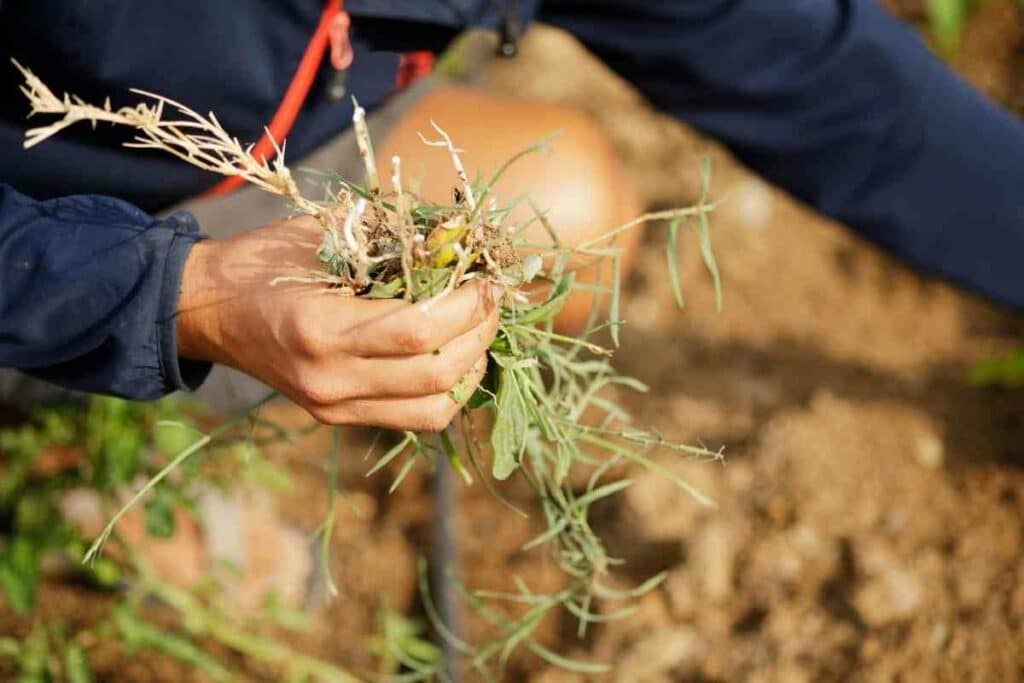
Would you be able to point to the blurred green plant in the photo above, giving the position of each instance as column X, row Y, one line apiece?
column 946, row 19
column 403, row 650
column 1005, row 371
column 106, row 447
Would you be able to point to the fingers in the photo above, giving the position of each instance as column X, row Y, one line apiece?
column 397, row 328
column 421, row 414
column 425, row 374
column 342, row 377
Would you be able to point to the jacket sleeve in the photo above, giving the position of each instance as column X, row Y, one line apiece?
column 843, row 106
column 88, row 294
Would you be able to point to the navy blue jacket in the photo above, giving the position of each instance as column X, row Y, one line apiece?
column 831, row 99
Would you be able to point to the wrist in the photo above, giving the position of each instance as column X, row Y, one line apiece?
column 196, row 320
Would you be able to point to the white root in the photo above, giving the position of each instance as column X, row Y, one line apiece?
column 203, row 143
column 446, row 142
column 406, row 230
column 198, row 140
column 365, row 147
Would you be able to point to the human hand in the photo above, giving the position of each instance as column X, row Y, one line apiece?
column 347, row 360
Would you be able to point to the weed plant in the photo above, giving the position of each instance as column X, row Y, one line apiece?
column 549, row 398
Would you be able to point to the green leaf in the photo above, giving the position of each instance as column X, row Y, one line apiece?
column 137, row 634
column 76, row 664
column 615, row 594
column 159, row 514
column 486, row 390
column 428, row 282
column 328, row 250
column 170, row 438
column 19, row 574
column 386, row 290
column 391, row 454
column 263, row 473
column 550, row 308
column 530, row 268
column 9, row 647
column 1002, row 371
column 672, row 256
column 946, row 18
column 561, row 662
column 104, row 571
column 453, row 457
column 597, row 494
column 35, row 653
column 479, row 399
column 613, row 311
column 508, row 437
column 463, row 389
column 704, row 233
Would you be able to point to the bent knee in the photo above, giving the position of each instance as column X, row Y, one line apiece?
column 579, row 181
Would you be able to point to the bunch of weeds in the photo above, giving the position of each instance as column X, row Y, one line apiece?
column 547, row 394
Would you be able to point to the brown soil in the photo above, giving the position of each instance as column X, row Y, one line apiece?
column 871, row 504
column 870, row 508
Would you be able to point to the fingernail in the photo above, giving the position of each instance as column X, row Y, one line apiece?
column 496, row 294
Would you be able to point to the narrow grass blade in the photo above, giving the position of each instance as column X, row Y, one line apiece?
column 672, row 256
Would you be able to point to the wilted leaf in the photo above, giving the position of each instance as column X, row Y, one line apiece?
column 508, row 438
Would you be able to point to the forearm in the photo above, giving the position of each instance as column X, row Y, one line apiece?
column 841, row 105
column 89, row 294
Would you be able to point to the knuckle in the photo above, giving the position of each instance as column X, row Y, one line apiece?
column 306, row 333
column 318, row 395
column 316, row 391
column 484, row 304
column 413, row 341
column 433, row 421
column 442, row 379
column 325, row 415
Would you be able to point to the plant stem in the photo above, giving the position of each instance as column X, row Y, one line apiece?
column 177, row 460
column 200, row 620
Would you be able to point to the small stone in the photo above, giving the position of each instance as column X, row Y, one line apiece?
column 939, row 637
column 929, row 451
column 681, row 595
column 653, row 657
column 713, row 558
column 891, row 597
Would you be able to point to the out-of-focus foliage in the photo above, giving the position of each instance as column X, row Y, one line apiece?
column 947, row 19
column 102, row 449
column 1005, row 371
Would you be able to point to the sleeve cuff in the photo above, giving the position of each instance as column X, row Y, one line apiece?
column 179, row 373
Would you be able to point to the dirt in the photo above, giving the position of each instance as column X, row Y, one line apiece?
column 869, row 519
column 870, row 507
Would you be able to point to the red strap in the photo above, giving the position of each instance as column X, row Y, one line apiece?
column 332, row 20
column 412, row 67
